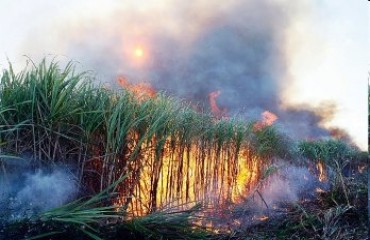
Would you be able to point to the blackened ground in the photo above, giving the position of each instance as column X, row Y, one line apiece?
column 27, row 229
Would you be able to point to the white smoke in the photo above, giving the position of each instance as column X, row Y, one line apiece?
column 24, row 195
column 291, row 184
column 284, row 186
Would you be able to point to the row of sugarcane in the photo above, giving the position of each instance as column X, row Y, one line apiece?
column 172, row 153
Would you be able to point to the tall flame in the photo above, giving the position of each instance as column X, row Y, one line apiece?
column 191, row 174
column 215, row 109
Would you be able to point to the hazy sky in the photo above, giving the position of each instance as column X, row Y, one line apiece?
column 326, row 42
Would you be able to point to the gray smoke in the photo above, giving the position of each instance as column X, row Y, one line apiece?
column 23, row 195
column 238, row 51
column 291, row 184
column 197, row 48
column 287, row 185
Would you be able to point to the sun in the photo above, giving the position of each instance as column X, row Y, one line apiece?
column 139, row 52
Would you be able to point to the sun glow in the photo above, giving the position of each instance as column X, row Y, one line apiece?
column 139, row 52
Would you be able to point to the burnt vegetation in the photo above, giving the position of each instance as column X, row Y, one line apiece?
column 155, row 168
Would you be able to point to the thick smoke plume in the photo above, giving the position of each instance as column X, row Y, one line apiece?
column 25, row 193
column 192, row 49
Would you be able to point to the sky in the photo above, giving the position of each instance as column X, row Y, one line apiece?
column 307, row 53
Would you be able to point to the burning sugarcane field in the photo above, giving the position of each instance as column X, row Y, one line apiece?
column 174, row 120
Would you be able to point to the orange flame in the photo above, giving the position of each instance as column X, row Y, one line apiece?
column 140, row 90
column 319, row 190
column 182, row 179
column 268, row 118
column 263, row 218
column 322, row 173
column 216, row 111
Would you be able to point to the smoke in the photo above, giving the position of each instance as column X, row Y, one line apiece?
column 239, row 48
column 285, row 186
column 291, row 184
column 25, row 193
column 235, row 49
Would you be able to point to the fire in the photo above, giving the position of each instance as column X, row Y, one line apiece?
column 262, row 218
column 140, row 90
column 236, row 222
column 361, row 168
column 183, row 174
column 268, row 118
column 189, row 175
column 322, row 173
column 216, row 111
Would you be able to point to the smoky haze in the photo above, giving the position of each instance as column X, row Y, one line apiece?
column 25, row 193
column 190, row 51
